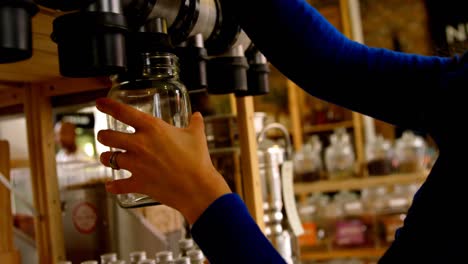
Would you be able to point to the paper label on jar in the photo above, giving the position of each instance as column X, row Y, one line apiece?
column 309, row 238
column 289, row 200
column 350, row 233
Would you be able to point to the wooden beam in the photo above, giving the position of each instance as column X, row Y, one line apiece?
column 295, row 115
column 11, row 94
column 68, row 86
column 8, row 253
column 249, row 159
column 49, row 229
column 359, row 141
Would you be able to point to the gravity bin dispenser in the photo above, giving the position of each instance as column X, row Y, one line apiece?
column 96, row 38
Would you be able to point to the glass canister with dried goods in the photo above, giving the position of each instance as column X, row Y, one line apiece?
column 152, row 86
column 339, row 156
column 393, row 214
column 379, row 155
column 375, row 200
column 312, row 213
column 354, row 228
column 410, row 151
column 308, row 163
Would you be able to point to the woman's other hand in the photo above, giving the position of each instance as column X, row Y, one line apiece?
column 172, row 165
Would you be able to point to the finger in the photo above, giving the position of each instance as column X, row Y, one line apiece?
column 122, row 186
column 196, row 122
column 123, row 160
column 115, row 139
column 122, row 112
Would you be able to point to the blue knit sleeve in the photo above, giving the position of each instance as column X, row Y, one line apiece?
column 390, row 86
column 226, row 233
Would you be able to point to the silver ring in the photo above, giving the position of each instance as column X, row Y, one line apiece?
column 113, row 160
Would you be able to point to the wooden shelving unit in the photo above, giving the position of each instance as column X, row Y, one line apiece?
column 327, row 127
column 359, row 183
column 349, row 253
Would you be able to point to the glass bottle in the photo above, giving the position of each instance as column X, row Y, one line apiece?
column 182, row 260
column 108, row 257
column 147, row 261
column 410, row 151
column 308, row 163
column 339, row 156
column 185, row 245
column 379, row 156
column 153, row 87
column 165, row 257
column 137, row 256
column 196, row 256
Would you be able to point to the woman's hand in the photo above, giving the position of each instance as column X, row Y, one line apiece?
column 172, row 165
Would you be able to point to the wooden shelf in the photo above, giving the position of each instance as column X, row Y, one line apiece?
column 327, row 127
column 350, row 253
column 358, row 183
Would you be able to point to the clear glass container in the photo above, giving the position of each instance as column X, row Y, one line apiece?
column 392, row 215
column 196, row 256
column 158, row 92
column 354, row 228
column 312, row 214
column 165, row 257
column 308, row 163
column 108, row 258
column 379, row 156
column 339, row 156
column 375, row 200
column 410, row 151
column 137, row 256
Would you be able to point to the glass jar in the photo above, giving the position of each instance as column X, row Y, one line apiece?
column 379, row 155
column 410, row 151
column 392, row 215
column 375, row 200
column 308, row 163
column 339, row 156
column 353, row 229
column 312, row 214
column 158, row 92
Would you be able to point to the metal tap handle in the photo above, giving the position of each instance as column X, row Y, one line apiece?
column 261, row 136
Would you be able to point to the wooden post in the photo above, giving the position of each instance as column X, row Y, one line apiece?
column 49, row 229
column 8, row 253
column 295, row 114
column 357, row 118
column 250, row 170
column 359, row 141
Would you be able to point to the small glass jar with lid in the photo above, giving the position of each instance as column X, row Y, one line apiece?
column 339, row 156
column 392, row 215
column 410, row 152
column 151, row 85
column 379, row 156
column 312, row 214
column 353, row 229
column 308, row 163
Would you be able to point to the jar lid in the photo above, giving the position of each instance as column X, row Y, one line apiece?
column 182, row 260
column 195, row 254
column 164, row 256
column 137, row 255
column 186, row 243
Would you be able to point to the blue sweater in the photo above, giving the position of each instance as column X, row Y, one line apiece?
column 408, row 90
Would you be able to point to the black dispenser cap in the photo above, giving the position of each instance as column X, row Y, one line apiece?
column 15, row 30
column 91, row 43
